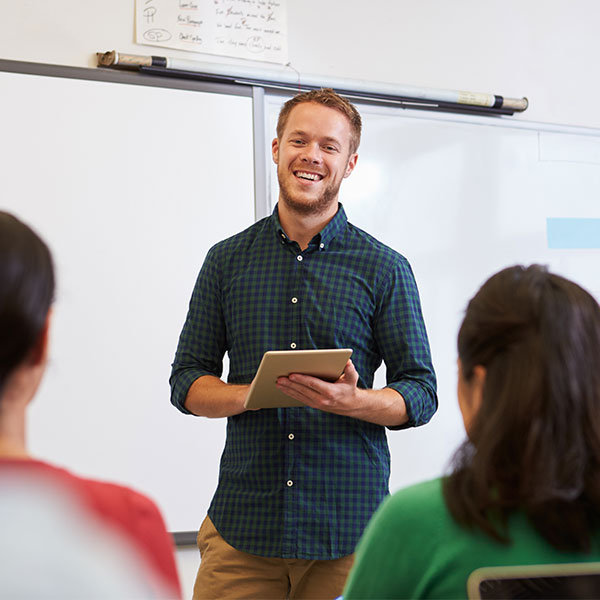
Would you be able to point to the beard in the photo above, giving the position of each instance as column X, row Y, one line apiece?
column 304, row 207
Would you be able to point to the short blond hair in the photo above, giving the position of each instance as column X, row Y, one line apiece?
column 326, row 97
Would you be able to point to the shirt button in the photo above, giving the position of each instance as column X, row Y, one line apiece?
column 321, row 245
column 299, row 258
column 291, row 436
column 293, row 345
column 290, row 483
column 294, row 300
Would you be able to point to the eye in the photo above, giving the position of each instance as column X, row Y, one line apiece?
column 297, row 142
column 330, row 148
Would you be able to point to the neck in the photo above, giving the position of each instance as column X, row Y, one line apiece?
column 12, row 433
column 301, row 227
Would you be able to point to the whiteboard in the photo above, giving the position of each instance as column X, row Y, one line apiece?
column 461, row 198
column 130, row 185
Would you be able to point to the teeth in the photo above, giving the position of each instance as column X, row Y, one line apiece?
column 311, row 176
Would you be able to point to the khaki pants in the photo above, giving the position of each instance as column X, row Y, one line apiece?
column 227, row 573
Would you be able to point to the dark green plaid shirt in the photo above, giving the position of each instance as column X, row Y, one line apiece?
column 299, row 482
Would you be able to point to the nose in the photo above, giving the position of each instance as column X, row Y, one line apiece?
column 311, row 153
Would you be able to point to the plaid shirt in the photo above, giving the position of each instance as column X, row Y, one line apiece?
column 299, row 482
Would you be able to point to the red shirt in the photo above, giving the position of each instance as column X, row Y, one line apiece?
column 128, row 513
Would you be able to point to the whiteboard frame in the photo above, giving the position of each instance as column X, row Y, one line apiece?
column 261, row 135
column 419, row 448
column 181, row 538
column 136, row 78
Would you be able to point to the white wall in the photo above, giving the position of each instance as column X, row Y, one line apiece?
column 546, row 51
column 188, row 560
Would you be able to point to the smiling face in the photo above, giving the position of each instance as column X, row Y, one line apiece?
column 313, row 157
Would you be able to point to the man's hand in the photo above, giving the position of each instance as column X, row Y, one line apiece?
column 343, row 397
column 338, row 397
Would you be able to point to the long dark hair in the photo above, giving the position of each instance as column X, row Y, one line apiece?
column 535, row 442
column 26, row 291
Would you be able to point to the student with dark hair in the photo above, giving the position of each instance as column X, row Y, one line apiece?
column 525, row 486
column 117, row 520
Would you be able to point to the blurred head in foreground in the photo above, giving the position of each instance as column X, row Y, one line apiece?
column 26, row 294
column 529, row 393
column 77, row 537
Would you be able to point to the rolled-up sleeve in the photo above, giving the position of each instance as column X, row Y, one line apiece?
column 404, row 346
column 203, row 340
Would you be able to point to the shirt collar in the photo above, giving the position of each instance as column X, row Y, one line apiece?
column 334, row 228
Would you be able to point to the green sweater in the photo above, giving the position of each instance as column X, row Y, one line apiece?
column 412, row 548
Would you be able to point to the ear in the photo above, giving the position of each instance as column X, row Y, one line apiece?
column 351, row 164
column 275, row 150
column 477, row 383
column 470, row 393
column 39, row 352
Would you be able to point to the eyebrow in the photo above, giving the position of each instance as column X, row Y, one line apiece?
column 325, row 139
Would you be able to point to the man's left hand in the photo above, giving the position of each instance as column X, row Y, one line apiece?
column 344, row 397
column 340, row 397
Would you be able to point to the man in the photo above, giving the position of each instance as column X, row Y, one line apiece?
column 298, row 485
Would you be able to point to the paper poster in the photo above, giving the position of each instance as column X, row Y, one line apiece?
column 251, row 29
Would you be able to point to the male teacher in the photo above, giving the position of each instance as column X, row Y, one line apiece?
column 298, row 485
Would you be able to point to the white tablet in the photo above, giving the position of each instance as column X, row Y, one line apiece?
column 324, row 364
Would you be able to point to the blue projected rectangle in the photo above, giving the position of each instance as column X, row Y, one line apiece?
column 573, row 233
